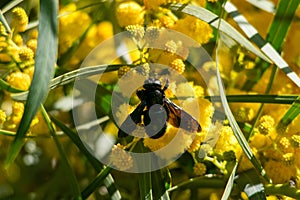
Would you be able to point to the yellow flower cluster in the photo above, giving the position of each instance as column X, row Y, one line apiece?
column 19, row 19
column 120, row 159
column 73, row 19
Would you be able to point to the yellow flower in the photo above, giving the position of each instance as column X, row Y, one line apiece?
column 2, row 117
column 18, row 40
column 69, row 21
column 295, row 140
column 25, row 54
column 178, row 141
column 279, row 172
column 136, row 31
column 178, row 65
column 19, row 19
column 19, row 80
column 32, row 44
column 266, row 124
column 123, row 70
column 244, row 114
column 120, row 158
column 227, row 142
column 153, row 4
column 199, row 169
column 194, row 28
column 129, row 13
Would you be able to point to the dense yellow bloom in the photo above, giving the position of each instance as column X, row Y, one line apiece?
column 178, row 65
column 19, row 80
column 279, row 172
column 227, row 142
column 2, row 117
column 129, row 13
column 266, row 124
column 199, row 169
column 154, row 4
column 25, row 54
column 120, row 159
column 18, row 40
column 194, row 28
column 178, row 141
column 19, row 19
column 123, row 70
column 136, row 31
column 244, row 114
column 32, row 44
column 69, row 21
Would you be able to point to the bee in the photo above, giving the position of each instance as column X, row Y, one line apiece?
column 155, row 111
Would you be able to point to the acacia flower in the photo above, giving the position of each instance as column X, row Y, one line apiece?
column 25, row 54
column 19, row 80
column 266, row 124
column 120, row 158
column 136, row 31
column 199, row 169
column 19, row 19
column 178, row 65
column 129, row 13
column 123, row 70
column 194, row 28
column 279, row 172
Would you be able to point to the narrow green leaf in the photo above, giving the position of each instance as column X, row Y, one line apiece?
column 290, row 115
column 71, row 76
column 5, row 86
column 200, row 182
column 159, row 185
column 65, row 163
column 44, row 67
column 108, row 181
column 257, row 98
column 4, row 22
column 229, row 184
column 77, row 141
column 98, row 181
column 250, row 183
column 281, row 23
column 283, row 189
column 11, row 5
column 276, row 35
column 214, row 20
column 236, row 129
column 145, row 186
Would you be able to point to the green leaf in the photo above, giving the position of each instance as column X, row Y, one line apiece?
column 108, row 181
column 250, row 183
column 5, row 86
column 159, row 183
column 77, row 141
column 98, row 181
column 63, row 156
column 44, row 67
column 229, row 184
column 276, row 35
column 214, row 20
column 236, row 129
column 71, row 76
column 290, row 115
column 257, row 98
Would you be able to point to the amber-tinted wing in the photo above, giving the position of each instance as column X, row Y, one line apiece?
column 130, row 123
column 179, row 118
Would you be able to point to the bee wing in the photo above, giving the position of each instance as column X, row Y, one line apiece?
column 130, row 123
column 180, row 118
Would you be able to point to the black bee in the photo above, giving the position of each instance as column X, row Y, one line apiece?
column 156, row 111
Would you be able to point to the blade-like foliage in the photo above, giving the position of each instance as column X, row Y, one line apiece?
column 44, row 68
column 214, row 20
